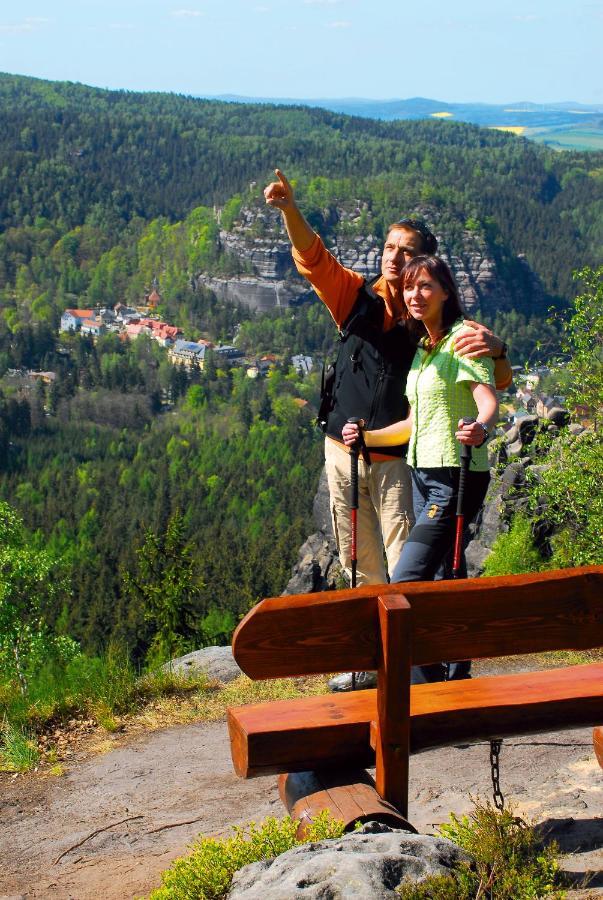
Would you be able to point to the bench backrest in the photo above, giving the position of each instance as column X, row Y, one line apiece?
column 472, row 618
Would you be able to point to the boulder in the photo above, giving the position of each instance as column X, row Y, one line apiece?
column 368, row 864
column 511, row 435
column 515, row 448
column 558, row 416
column 317, row 567
column 527, row 429
column 216, row 662
column 513, row 478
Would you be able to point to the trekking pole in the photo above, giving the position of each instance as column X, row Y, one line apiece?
column 354, row 454
column 460, row 517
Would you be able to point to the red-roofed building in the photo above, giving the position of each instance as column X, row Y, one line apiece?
column 72, row 319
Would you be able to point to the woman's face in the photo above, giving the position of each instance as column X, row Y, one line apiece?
column 425, row 298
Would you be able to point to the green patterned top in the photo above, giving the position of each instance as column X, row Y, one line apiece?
column 439, row 393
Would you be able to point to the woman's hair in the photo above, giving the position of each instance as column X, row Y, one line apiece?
column 437, row 269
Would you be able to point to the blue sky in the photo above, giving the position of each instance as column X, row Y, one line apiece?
column 474, row 51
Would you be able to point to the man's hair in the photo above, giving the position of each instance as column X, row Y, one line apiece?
column 437, row 269
column 428, row 239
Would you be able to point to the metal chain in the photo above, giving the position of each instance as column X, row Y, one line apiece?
column 499, row 800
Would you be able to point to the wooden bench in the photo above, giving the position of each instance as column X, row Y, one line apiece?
column 391, row 627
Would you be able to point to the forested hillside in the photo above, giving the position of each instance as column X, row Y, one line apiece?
column 83, row 172
column 123, row 457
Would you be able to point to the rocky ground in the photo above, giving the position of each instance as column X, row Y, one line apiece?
column 113, row 822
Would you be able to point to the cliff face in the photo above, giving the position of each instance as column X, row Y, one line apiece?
column 269, row 279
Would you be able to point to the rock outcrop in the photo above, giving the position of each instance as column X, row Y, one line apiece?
column 317, row 567
column 368, row 864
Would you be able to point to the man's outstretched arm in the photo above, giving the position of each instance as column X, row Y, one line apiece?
column 280, row 195
column 476, row 340
column 336, row 286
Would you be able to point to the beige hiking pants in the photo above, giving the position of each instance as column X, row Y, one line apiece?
column 384, row 512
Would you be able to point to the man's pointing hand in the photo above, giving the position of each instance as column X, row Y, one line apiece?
column 279, row 193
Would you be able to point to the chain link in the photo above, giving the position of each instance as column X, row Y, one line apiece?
column 499, row 800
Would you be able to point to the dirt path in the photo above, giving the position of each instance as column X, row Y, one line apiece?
column 167, row 787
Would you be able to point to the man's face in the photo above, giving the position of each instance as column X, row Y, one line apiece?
column 401, row 244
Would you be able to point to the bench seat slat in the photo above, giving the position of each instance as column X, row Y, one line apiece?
column 311, row 732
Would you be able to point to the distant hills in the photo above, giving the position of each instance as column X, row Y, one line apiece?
column 564, row 125
column 103, row 191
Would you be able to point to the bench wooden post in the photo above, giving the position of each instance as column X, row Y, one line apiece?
column 391, row 733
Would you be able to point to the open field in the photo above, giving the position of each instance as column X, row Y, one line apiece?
column 567, row 138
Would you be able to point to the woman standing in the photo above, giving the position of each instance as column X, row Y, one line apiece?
column 443, row 388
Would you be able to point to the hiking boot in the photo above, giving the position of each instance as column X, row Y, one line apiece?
column 344, row 682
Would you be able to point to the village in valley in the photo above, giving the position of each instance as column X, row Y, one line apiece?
column 130, row 322
column 526, row 397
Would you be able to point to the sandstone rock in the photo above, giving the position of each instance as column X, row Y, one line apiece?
column 527, row 429
column 535, row 472
column 515, row 448
column 476, row 555
column 512, row 434
column 267, row 276
column 513, row 477
column 217, row 662
column 368, row 864
column 317, row 567
column 558, row 416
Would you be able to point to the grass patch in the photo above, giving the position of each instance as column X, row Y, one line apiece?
column 207, row 873
column 65, row 702
column 514, row 552
column 18, row 749
column 510, row 863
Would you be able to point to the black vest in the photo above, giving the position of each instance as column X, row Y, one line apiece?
column 370, row 370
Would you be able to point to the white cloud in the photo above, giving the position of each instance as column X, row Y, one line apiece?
column 322, row 2
column 31, row 23
column 262, row 9
column 187, row 13
column 339, row 25
column 527, row 18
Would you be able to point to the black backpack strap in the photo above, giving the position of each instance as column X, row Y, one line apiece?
column 362, row 305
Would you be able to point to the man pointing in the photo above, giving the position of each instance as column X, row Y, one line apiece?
column 374, row 358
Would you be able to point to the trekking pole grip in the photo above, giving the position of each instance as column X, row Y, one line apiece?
column 465, row 461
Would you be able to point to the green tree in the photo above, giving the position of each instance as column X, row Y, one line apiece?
column 583, row 341
column 167, row 583
column 30, row 583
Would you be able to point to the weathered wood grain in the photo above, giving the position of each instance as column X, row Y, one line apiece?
column 315, row 732
column 466, row 619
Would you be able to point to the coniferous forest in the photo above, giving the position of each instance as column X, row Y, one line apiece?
column 167, row 501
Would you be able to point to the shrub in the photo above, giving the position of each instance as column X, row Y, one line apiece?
column 514, row 552
column 571, row 486
column 509, row 862
column 206, row 874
